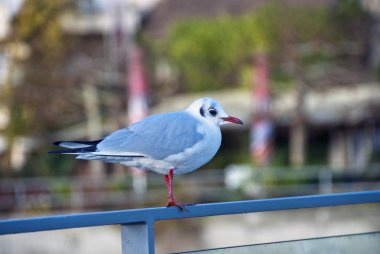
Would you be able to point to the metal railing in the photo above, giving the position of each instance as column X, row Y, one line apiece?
column 137, row 226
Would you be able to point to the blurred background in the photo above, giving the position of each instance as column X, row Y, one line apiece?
column 303, row 75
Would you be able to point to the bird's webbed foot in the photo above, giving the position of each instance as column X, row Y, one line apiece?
column 173, row 202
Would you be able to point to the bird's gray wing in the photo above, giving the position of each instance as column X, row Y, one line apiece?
column 157, row 136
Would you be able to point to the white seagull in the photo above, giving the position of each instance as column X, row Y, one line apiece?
column 169, row 144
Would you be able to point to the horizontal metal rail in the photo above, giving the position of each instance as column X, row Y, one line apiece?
column 138, row 224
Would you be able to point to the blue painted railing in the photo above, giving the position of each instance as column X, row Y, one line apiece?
column 137, row 226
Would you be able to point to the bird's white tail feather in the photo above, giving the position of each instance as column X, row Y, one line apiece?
column 71, row 144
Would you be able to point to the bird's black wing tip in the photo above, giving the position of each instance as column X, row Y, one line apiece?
column 57, row 143
column 81, row 142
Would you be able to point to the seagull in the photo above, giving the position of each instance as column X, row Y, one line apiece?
column 168, row 144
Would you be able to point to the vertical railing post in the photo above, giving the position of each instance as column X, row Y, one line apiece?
column 137, row 238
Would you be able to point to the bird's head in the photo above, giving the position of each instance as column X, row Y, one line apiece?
column 211, row 111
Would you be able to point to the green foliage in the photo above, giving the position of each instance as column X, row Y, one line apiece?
column 38, row 24
column 42, row 164
column 204, row 54
column 281, row 156
column 210, row 53
column 217, row 53
column 350, row 9
column 377, row 72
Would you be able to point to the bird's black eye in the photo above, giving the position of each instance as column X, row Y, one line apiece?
column 212, row 111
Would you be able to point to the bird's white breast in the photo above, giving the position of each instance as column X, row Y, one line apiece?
column 203, row 151
column 188, row 160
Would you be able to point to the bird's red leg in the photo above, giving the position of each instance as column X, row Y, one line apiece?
column 169, row 184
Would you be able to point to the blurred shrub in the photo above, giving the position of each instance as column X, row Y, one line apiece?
column 38, row 24
column 215, row 53
column 41, row 164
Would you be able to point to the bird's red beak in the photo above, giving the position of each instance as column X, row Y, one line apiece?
column 232, row 119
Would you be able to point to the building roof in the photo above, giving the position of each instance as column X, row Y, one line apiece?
column 335, row 106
